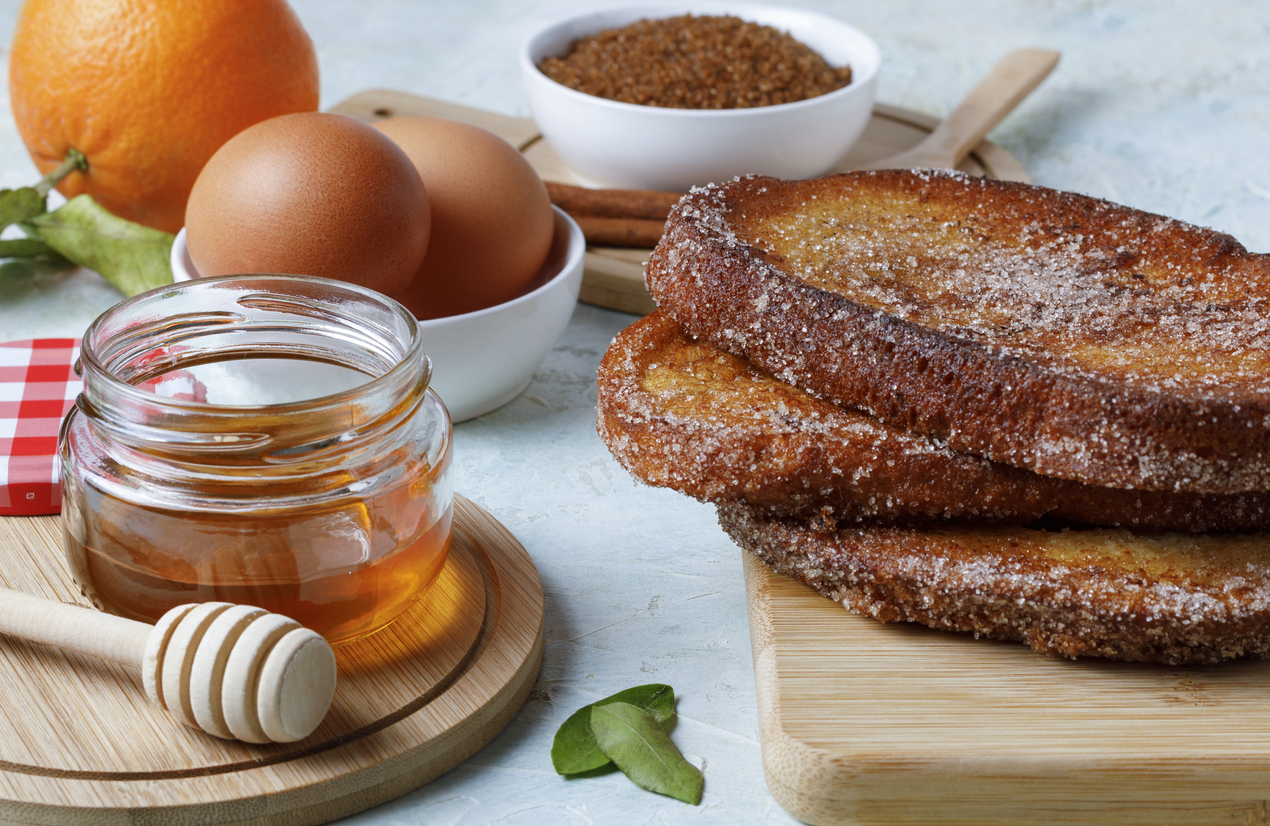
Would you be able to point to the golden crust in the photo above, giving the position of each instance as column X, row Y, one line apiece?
column 1169, row 598
column 685, row 415
column 1046, row 330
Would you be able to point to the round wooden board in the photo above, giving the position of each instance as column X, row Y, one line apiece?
column 81, row 744
column 614, row 277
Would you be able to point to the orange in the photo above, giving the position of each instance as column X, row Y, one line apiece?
column 148, row 90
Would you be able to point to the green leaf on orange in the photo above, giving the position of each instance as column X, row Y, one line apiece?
column 132, row 257
column 26, row 248
column 19, row 205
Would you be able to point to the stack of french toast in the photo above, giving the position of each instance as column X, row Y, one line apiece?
column 979, row 405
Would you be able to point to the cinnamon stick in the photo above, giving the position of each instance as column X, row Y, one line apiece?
column 612, row 203
column 620, row 232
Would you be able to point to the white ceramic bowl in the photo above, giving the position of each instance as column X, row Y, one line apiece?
column 607, row 143
column 484, row 359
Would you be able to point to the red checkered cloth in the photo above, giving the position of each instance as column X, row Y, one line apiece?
column 38, row 386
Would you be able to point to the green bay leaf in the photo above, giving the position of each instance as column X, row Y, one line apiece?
column 18, row 205
column 574, row 749
column 25, row 248
column 132, row 257
column 636, row 743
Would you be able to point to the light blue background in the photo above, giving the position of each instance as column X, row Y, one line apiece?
column 1163, row 105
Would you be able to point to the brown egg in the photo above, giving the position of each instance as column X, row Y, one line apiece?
column 310, row 194
column 491, row 216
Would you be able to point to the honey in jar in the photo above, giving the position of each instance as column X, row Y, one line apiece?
column 266, row 440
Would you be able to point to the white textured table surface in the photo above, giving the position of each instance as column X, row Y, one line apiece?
column 1163, row 105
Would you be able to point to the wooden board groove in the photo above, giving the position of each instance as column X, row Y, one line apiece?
column 413, row 701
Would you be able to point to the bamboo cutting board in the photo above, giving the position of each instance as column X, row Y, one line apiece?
column 614, row 277
column 81, row 744
column 870, row 723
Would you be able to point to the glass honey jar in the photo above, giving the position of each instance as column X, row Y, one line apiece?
column 260, row 439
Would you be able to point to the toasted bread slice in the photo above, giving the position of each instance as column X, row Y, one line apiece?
column 1170, row 598
column 686, row 415
column 1042, row 329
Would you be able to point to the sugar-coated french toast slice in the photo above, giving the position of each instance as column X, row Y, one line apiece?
column 683, row 414
column 1170, row 598
column 1042, row 329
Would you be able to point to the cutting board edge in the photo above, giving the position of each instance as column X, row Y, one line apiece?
column 824, row 787
column 1088, row 796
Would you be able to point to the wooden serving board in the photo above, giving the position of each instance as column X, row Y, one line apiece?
column 614, row 277
column 864, row 722
column 81, row 744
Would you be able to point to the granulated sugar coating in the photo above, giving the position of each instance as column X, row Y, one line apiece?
column 696, row 62
column 683, row 414
column 1168, row 598
column 1042, row 329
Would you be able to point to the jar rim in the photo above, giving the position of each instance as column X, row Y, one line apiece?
column 91, row 362
column 252, row 316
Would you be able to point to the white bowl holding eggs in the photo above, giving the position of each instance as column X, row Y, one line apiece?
column 484, row 359
column 609, row 143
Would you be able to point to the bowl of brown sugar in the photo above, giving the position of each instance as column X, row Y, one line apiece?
column 669, row 97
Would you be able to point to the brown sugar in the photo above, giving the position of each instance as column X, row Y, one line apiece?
column 696, row 62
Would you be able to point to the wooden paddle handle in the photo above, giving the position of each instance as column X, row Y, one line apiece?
column 1009, row 82
column 73, row 628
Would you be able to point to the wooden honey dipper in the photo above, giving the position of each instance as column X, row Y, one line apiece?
column 235, row 671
